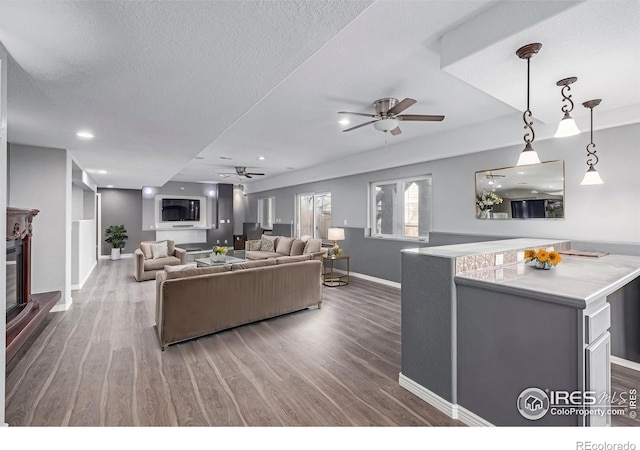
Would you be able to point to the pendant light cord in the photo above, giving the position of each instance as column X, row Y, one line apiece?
column 527, row 113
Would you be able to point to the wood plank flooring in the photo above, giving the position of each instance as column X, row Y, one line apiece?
column 100, row 364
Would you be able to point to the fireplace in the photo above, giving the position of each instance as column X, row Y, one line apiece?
column 24, row 310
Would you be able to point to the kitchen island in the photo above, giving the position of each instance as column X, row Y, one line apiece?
column 480, row 327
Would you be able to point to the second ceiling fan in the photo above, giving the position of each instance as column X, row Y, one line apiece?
column 387, row 117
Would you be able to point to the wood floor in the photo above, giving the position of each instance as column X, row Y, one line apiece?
column 100, row 364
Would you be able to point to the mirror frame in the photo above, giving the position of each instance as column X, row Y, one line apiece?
column 490, row 215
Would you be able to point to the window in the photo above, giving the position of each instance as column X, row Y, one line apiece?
column 313, row 214
column 401, row 208
column 266, row 212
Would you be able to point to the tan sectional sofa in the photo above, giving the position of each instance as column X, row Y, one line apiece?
column 148, row 263
column 193, row 302
column 276, row 246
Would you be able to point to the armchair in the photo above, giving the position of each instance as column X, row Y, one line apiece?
column 150, row 258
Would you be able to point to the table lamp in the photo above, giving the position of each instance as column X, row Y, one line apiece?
column 335, row 235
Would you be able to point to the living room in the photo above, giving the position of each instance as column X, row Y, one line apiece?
column 163, row 127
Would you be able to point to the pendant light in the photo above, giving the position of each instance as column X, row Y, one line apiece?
column 592, row 176
column 567, row 126
column 528, row 155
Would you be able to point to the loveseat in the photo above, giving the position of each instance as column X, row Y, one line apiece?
column 193, row 302
column 152, row 256
column 268, row 247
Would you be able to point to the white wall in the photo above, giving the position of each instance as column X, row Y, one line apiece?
column 3, row 223
column 41, row 178
column 83, row 236
column 77, row 200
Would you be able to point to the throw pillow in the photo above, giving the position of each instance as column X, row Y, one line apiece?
column 254, row 246
column 145, row 247
column 305, row 238
column 284, row 245
column 297, row 247
column 312, row 246
column 159, row 250
column 267, row 243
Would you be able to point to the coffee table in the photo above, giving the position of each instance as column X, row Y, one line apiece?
column 206, row 262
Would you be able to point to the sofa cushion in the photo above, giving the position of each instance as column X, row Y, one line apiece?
column 284, row 245
column 292, row 259
column 297, row 247
column 312, row 246
column 191, row 271
column 252, row 264
column 268, row 243
column 261, row 255
column 145, row 248
column 159, row 263
column 254, row 245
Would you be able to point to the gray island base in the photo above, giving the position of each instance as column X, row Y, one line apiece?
column 509, row 345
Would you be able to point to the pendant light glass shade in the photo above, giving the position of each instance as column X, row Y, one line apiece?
column 567, row 127
column 591, row 177
column 528, row 156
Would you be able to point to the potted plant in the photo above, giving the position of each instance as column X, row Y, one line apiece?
column 116, row 236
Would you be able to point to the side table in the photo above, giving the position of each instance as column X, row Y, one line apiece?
column 329, row 277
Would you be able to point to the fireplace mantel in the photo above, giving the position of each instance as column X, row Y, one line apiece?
column 23, row 321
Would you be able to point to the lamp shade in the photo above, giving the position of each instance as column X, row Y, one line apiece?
column 336, row 234
column 591, row 177
column 528, row 156
column 567, row 127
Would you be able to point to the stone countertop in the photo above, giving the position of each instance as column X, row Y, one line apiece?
column 576, row 281
column 479, row 248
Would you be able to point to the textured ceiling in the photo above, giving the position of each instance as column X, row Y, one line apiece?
column 169, row 88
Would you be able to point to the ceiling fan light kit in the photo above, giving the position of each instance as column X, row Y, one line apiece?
column 388, row 117
column 528, row 155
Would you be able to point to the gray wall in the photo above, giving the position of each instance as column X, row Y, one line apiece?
column 608, row 213
column 222, row 233
column 123, row 207
column 40, row 178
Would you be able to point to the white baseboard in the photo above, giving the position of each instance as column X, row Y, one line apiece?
column 77, row 287
column 625, row 363
column 454, row 411
column 63, row 307
column 122, row 256
column 369, row 278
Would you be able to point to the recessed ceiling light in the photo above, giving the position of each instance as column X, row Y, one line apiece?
column 344, row 121
column 261, row 158
column 147, row 190
column 109, row 185
column 182, row 187
column 199, row 157
column 85, row 134
column 225, row 157
column 102, row 171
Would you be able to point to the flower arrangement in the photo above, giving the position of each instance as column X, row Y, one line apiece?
column 542, row 259
column 219, row 250
column 487, row 199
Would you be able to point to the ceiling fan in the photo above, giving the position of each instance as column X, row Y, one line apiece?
column 388, row 117
column 241, row 171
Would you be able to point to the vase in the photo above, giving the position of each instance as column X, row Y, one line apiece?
column 484, row 214
column 544, row 265
column 218, row 258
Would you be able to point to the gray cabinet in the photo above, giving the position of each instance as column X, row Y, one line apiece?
column 598, row 378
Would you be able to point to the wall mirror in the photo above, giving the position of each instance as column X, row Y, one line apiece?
column 534, row 191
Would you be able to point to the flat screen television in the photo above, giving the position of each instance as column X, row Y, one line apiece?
column 180, row 210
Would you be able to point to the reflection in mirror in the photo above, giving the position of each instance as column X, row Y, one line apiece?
column 522, row 192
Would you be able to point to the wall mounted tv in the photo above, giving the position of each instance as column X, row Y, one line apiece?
column 180, row 210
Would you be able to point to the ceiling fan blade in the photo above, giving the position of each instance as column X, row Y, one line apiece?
column 253, row 173
column 396, row 131
column 358, row 126
column 246, row 175
column 357, row 114
column 404, row 104
column 419, row 117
